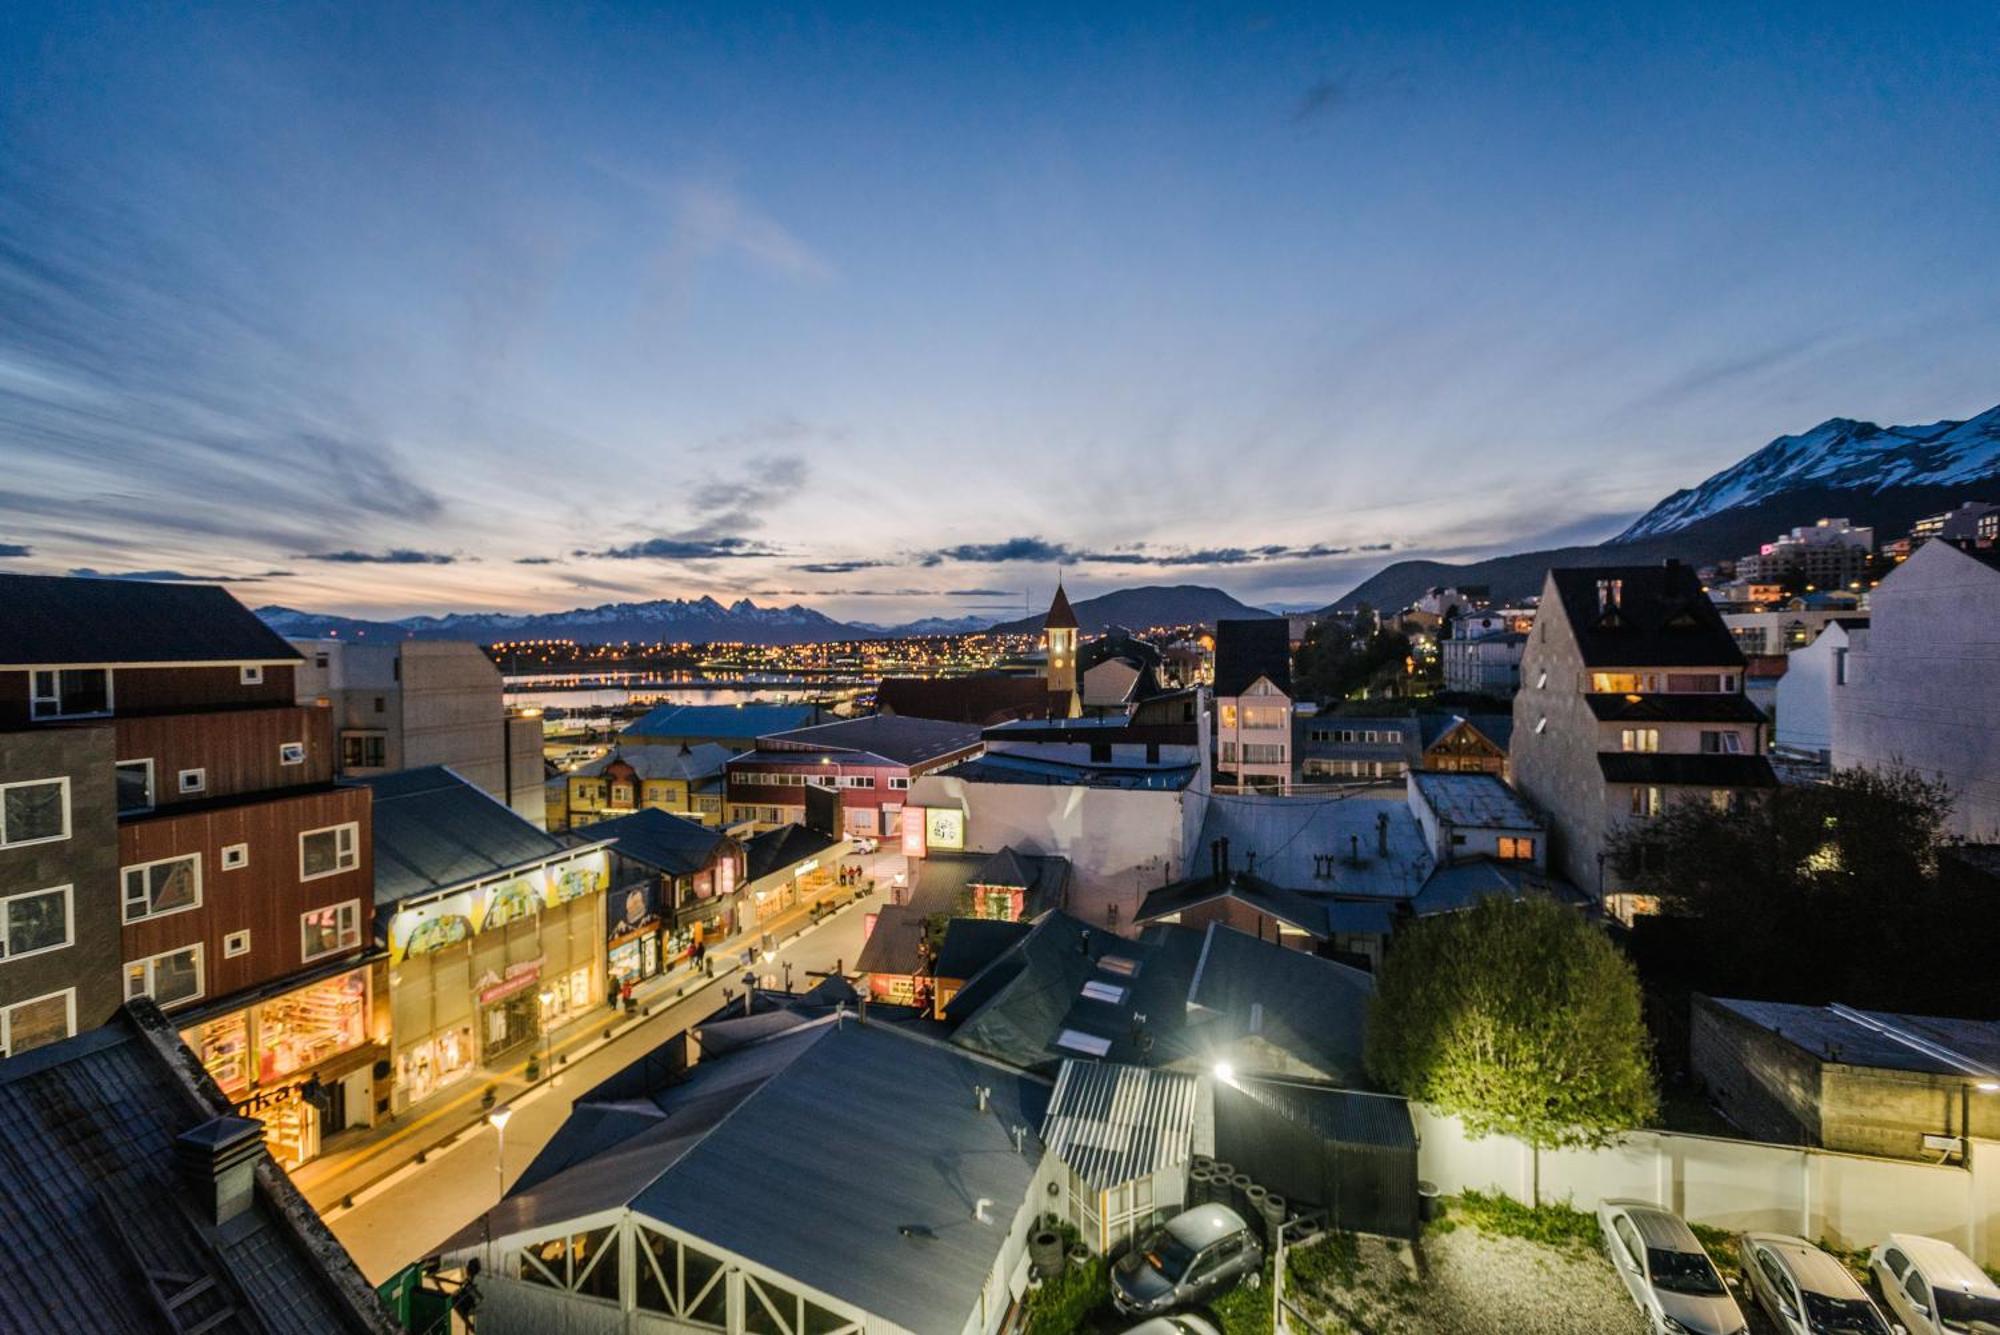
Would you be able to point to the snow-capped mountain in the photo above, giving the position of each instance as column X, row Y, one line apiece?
column 965, row 625
column 672, row 620
column 1838, row 455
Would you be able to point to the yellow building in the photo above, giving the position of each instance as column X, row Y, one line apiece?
column 683, row 780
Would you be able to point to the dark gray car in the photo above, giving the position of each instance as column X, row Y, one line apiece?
column 1187, row 1260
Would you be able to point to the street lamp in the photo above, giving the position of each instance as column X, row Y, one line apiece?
column 499, row 1118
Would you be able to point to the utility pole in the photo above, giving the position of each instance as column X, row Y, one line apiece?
column 1278, row 1284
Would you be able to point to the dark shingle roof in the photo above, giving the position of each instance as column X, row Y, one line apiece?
column 434, row 831
column 91, row 1198
column 1686, row 770
column 895, row 943
column 984, row 700
column 943, row 878
column 906, row 741
column 661, row 840
column 1729, row 708
column 1061, row 616
column 775, row 850
column 970, row 944
column 57, row 619
column 1662, row 619
column 1247, row 650
column 1312, row 1008
column 1254, row 892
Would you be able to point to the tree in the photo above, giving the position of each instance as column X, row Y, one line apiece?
column 1519, row 1016
column 1834, row 891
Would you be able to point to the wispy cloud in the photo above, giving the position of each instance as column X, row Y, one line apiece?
column 8, row 549
column 682, row 549
column 395, row 556
column 534, row 560
column 178, row 576
column 711, row 218
column 838, row 567
column 1041, row 551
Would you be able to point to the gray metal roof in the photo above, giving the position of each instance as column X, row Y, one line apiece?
column 91, row 1198
column 1009, row 767
column 1111, row 1123
column 1929, row 1044
column 845, row 1156
column 661, row 840
column 704, row 761
column 896, row 737
column 1463, row 884
column 1288, row 835
column 435, row 831
column 744, row 722
column 1312, row 1008
column 1479, row 801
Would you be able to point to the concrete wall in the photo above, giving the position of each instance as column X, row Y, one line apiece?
column 1922, row 686
column 87, row 862
column 1850, row 1200
column 1768, row 1087
column 1804, row 706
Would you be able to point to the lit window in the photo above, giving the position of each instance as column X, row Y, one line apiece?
column 1515, row 849
column 1120, row 965
column 36, row 1022
column 1097, row 991
column 1640, row 739
column 330, row 930
column 1078, row 1041
column 169, row 979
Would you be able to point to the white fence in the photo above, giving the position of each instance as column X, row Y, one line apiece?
column 1848, row 1199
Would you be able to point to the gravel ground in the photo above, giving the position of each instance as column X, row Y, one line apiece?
column 1471, row 1283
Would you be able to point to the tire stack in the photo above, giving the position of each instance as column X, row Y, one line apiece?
column 1274, row 1217
column 1045, row 1250
column 1238, row 1196
column 1200, row 1177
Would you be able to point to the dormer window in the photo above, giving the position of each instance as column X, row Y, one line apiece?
column 1610, row 593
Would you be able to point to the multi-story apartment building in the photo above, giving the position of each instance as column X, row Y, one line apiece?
column 170, row 812
column 1631, row 698
column 1829, row 554
column 412, row 703
column 1253, row 704
column 682, row 780
column 1917, row 688
column 1964, row 524
column 1484, row 664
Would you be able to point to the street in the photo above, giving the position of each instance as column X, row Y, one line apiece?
column 408, row 1214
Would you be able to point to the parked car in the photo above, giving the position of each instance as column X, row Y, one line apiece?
column 1187, row 1260
column 1669, row 1275
column 1805, row 1291
column 1174, row 1325
column 1934, row 1288
column 865, row 843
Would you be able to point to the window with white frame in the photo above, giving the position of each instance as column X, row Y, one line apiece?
column 34, row 811
column 329, row 851
column 585, row 1262
column 37, row 1022
column 330, row 930
column 251, row 674
column 1647, row 802
column 235, row 944
column 170, row 978
column 291, row 753
column 135, row 786
column 1640, row 739
column 680, row 1280
column 235, row 857
column 155, row 889
column 71, row 693
column 193, row 780
column 35, row 921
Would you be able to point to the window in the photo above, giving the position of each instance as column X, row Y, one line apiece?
column 1097, row 991
column 363, row 750
column 1541, row 725
column 1722, row 743
column 193, row 780
column 1228, row 713
column 1646, row 802
column 235, row 944
column 235, row 857
column 1840, row 667
column 34, row 922
column 1514, row 848
column 155, row 889
column 71, row 693
column 135, row 786
column 1640, row 739
column 898, row 785
column 35, row 811
column 1123, row 966
column 329, row 852
column 169, row 979
column 39, row 1021
column 330, row 930
column 251, row 674
column 291, row 753
column 1078, row 1041
column 381, row 704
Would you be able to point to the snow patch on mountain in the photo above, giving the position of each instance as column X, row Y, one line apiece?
column 1840, row 454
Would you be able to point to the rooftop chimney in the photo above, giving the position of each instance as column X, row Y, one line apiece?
column 1382, row 833
column 980, row 1094
column 1225, row 855
column 1354, row 848
column 218, row 1162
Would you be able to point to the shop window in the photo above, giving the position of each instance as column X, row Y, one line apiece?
column 768, row 1309
column 72, row 693
column 169, row 979
column 304, row 1028
column 330, row 930
column 34, row 922
column 31, row 1024
column 329, row 851
column 155, row 889
column 34, row 812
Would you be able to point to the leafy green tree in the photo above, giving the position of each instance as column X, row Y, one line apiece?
column 1519, row 1016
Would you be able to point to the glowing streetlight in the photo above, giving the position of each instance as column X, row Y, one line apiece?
column 499, row 1118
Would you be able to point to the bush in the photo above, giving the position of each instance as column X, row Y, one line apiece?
column 1066, row 1302
column 1550, row 1224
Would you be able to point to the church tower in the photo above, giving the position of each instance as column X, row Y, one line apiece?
column 1061, row 626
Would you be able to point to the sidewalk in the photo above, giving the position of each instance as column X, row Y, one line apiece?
column 364, row 1160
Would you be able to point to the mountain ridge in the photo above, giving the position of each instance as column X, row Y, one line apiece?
column 1147, row 605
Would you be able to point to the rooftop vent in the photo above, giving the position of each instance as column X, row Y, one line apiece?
column 218, row 1162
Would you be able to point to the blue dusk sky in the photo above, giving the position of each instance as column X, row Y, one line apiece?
column 891, row 311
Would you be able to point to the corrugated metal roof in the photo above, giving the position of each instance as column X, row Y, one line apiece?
column 745, row 722
column 434, row 831
column 661, row 840
column 1112, row 1123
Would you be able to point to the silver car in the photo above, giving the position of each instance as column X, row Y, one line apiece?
column 1186, row 1261
column 1805, row 1291
column 1174, row 1325
column 1934, row 1288
column 1668, row 1273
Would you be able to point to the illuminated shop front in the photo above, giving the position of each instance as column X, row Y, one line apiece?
column 302, row 1061
column 479, row 974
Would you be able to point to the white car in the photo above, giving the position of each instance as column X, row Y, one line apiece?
column 1184, row 1324
column 1666, row 1270
column 1934, row 1288
column 1805, row 1291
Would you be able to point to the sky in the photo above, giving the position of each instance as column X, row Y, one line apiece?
column 897, row 311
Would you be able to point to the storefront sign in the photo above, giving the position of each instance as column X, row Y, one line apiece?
column 913, row 832
column 634, row 907
column 944, row 827
column 427, row 927
column 580, row 876
column 805, row 869
column 509, row 901
column 520, row 977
